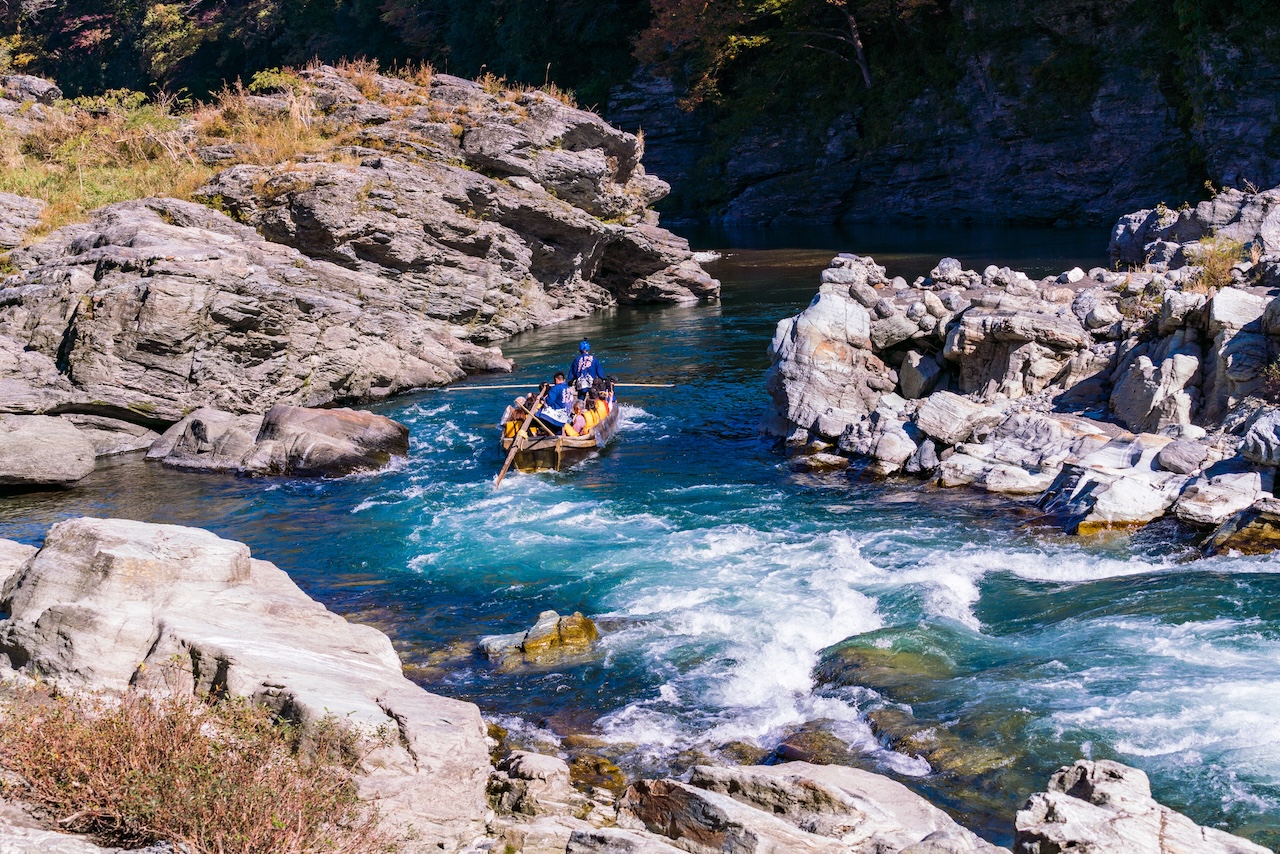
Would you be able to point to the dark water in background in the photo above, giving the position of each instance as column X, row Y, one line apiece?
column 721, row 574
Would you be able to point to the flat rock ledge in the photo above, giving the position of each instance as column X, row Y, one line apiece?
column 1108, row 399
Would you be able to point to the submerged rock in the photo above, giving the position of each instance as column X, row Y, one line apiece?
column 550, row 640
column 1104, row 807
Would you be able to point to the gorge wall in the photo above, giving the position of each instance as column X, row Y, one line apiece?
column 1058, row 112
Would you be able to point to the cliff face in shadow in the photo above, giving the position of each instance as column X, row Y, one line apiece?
column 1058, row 112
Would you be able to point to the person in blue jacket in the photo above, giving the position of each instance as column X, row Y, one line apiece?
column 556, row 404
column 585, row 370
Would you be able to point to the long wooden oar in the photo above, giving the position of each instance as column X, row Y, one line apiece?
column 526, row 385
column 515, row 443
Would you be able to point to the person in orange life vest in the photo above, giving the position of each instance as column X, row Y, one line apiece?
column 585, row 370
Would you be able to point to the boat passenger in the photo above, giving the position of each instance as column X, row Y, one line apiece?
column 555, row 406
column 577, row 425
column 586, row 369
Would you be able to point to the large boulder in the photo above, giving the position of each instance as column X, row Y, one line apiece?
column 1014, row 347
column 1104, row 807
column 796, row 806
column 111, row 605
column 824, row 376
column 1117, row 485
column 39, row 451
column 952, row 419
column 289, row 440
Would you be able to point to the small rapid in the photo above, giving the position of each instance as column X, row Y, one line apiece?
column 721, row 578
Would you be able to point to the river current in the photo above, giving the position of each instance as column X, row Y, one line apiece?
column 719, row 574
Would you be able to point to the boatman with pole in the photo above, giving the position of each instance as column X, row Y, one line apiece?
column 585, row 370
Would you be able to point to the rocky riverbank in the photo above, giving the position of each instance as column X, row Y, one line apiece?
column 118, row 606
column 1108, row 399
column 424, row 221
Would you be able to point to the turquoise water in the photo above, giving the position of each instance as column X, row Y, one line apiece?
column 719, row 574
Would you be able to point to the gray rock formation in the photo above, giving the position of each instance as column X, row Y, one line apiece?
column 159, row 307
column 1014, row 134
column 1025, row 388
column 444, row 218
column 1104, row 807
column 36, row 451
column 793, row 807
column 288, row 440
column 550, row 640
column 113, row 605
column 18, row 215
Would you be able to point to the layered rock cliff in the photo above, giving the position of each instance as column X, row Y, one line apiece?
column 427, row 221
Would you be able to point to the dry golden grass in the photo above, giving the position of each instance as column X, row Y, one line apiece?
column 1215, row 257
column 121, row 146
column 221, row 778
column 80, row 159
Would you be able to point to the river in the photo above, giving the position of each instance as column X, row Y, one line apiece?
column 719, row 574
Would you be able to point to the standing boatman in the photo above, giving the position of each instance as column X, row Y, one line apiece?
column 585, row 370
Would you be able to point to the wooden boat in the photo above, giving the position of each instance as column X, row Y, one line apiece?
column 538, row 451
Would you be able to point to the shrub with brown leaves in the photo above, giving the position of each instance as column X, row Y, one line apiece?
column 222, row 778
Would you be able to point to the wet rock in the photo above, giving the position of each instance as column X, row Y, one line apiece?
column 897, row 673
column 703, row 822
column 737, row 752
column 593, row 771
column 551, row 639
column 1217, row 496
column 935, row 743
column 1102, row 807
column 1255, row 530
column 38, row 451
column 814, row 743
column 112, row 605
column 820, row 462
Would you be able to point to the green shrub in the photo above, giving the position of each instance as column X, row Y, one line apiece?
column 1215, row 256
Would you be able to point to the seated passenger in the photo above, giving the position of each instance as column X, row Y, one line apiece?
column 555, row 411
column 577, row 425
